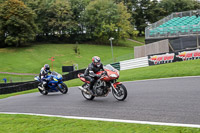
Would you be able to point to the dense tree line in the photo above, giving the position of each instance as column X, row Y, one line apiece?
column 23, row 21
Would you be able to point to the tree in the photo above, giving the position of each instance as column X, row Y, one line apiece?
column 59, row 18
column 140, row 13
column 16, row 23
column 155, row 12
column 54, row 18
column 77, row 8
column 105, row 19
column 171, row 6
column 123, row 25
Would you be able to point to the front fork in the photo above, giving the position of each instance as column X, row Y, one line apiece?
column 115, row 85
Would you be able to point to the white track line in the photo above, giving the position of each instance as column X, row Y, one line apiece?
column 110, row 120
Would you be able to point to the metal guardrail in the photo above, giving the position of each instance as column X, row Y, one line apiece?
column 134, row 63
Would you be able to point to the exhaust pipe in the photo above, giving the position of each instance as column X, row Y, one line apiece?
column 84, row 90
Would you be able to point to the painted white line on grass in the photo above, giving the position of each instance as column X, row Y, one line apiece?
column 110, row 120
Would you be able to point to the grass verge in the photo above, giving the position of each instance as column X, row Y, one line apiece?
column 177, row 69
column 40, row 124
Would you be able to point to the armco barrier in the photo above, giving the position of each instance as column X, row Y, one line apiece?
column 134, row 63
column 72, row 75
column 22, row 86
column 18, row 88
column 12, row 84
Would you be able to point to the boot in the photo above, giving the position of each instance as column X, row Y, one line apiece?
column 91, row 89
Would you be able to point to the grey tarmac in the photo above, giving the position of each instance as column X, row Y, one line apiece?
column 175, row 100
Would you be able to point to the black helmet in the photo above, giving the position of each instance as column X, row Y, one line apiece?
column 96, row 61
column 46, row 67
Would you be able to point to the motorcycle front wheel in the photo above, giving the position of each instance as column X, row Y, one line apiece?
column 121, row 92
column 85, row 95
column 64, row 88
column 43, row 92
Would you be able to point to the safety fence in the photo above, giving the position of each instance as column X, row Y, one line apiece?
column 11, row 84
column 18, row 87
column 134, row 63
column 7, row 88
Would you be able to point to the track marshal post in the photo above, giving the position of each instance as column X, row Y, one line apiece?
column 52, row 60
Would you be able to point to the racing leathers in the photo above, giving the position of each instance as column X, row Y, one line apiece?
column 43, row 77
column 90, row 74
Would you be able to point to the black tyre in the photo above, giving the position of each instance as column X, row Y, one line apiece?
column 85, row 95
column 121, row 92
column 64, row 88
column 43, row 92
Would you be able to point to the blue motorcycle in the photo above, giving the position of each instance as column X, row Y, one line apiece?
column 54, row 84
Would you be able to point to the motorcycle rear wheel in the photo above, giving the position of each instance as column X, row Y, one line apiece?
column 122, row 92
column 87, row 96
column 64, row 88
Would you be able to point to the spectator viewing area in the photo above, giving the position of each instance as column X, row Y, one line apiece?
column 176, row 24
column 181, row 28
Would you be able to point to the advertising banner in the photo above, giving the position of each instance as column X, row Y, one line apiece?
column 174, row 57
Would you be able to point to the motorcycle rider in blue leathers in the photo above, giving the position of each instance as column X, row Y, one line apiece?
column 43, row 75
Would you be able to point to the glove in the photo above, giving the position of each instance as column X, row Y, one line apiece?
column 104, row 73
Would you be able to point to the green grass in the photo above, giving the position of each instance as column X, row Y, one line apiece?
column 178, row 69
column 140, row 39
column 31, row 59
column 16, row 78
column 39, row 124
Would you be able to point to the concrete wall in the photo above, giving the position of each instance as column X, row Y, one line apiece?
column 152, row 48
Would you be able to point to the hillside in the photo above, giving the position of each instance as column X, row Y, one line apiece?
column 31, row 58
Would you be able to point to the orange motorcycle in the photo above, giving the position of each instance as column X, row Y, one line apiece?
column 103, row 85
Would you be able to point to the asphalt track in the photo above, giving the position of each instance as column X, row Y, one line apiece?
column 175, row 100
